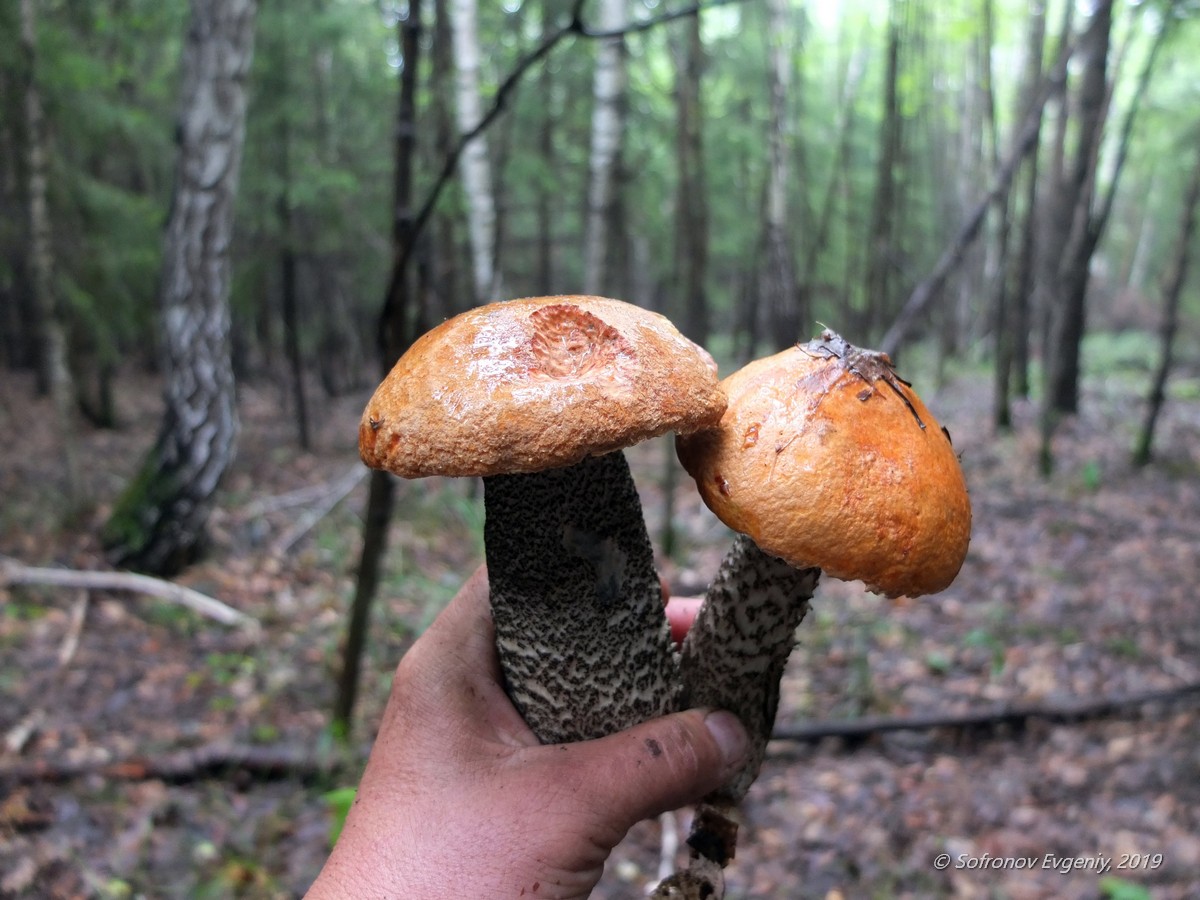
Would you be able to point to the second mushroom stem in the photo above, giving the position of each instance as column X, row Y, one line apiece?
column 582, row 636
column 733, row 658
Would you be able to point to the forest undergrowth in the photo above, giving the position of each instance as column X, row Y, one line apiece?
column 1077, row 587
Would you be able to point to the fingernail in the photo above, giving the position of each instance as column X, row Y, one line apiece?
column 726, row 729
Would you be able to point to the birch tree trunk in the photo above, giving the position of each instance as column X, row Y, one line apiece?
column 777, row 287
column 476, row 164
column 608, row 125
column 159, row 523
column 53, row 375
column 881, row 253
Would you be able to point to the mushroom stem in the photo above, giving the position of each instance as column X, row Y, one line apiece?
column 583, row 640
column 733, row 658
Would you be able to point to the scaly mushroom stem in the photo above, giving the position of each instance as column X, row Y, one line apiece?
column 733, row 658
column 582, row 636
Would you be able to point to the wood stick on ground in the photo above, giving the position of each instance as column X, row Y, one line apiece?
column 18, row 736
column 334, row 493
column 1017, row 714
column 70, row 643
column 185, row 766
column 287, row 761
column 13, row 572
column 310, row 493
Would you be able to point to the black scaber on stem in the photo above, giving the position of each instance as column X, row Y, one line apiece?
column 733, row 658
column 580, row 628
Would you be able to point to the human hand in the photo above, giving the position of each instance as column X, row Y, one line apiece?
column 459, row 799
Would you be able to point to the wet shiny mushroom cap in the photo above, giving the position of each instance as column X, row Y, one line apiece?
column 538, row 383
column 826, row 458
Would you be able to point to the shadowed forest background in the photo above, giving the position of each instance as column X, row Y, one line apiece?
column 222, row 221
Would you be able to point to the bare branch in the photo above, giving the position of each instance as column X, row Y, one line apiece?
column 185, row 766
column 13, row 572
column 333, row 494
column 575, row 27
column 924, row 293
column 1062, row 712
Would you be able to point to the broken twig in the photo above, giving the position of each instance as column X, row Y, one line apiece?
column 332, row 495
column 13, row 572
column 1016, row 714
column 184, row 766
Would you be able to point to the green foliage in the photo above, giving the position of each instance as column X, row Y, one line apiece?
column 984, row 638
column 339, row 801
column 320, row 132
column 1113, row 888
column 106, row 72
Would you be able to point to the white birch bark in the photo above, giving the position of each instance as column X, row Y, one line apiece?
column 158, row 525
column 778, row 279
column 780, row 84
column 475, row 166
column 608, row 124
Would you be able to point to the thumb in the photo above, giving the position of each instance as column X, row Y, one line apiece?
column 662, row 764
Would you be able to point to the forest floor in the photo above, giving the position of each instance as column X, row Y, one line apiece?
column 1078, row 587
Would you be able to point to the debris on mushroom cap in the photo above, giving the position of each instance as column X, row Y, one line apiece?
column 527, row 385
column 827, row 458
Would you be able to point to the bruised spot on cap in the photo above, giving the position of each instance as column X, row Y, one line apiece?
column 569, row 342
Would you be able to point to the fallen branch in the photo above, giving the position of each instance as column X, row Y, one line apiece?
column 311, row 493
column 13, row 572
column 1015, row 715
column 70, row 644
column 267, row 762
column 287, row 761
column 334, row 493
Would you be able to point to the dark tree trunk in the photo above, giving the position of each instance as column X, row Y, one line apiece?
column 16, row 341
column 1089, row 220
column 1075, row 200
column 288, row 254
column 340, row 349
column 159, row 523
column 1012, row 306
column 691, row 228
column 778, row 289
column 1051, row 228
column 691, row 206
column 1026, row 258
column 291, row 314
column 396, row 330
column 882, row 251
column 54, row 377
column 1172, row 292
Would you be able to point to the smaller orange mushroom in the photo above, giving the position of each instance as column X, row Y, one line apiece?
column 825, row 460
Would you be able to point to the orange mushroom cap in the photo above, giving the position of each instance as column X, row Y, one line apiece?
column 826, row 458
column 534, row 384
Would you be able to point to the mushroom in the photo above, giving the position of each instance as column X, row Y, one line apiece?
column 539, row 396
column 825, row 461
